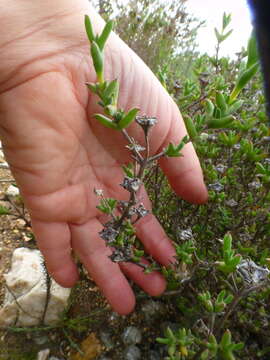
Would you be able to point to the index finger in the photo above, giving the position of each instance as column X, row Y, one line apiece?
column 184, row 173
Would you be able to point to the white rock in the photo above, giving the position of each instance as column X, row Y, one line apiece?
column 26, row 292
column 1, row 151
column 12, row 191
column 43, row 354
column 3, row 165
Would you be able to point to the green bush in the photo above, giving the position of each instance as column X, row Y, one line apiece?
column 222, row 252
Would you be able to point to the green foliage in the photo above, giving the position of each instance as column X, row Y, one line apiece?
column 174, row 150
column 107, row 205
column 185, row 251
column 222, row 36
column 4, row 210
column 108, row 92
column 230, row 260
column 250, row 69
column 177, row 342
column 230, row 134
column 227, row 347
column 218, row 305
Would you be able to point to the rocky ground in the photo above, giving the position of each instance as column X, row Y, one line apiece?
column 89, row 329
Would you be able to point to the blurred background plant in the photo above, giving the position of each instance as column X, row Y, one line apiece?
column 162, row 33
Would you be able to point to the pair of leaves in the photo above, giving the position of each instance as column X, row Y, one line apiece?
column 230, row 260
column 124, row 121
column 97, row 45
column 107, row 205
column 220, row 115
column 100, row 40
column 174, row 150
column 225, row 22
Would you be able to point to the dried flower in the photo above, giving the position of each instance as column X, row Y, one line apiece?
column 98, row 192
column 146, row 122
column 254, row 185
column 186, row 234
column 237, row 146
column 131, row 184
column 123, row 205
column 135, row 147
column 123, row 254
column 141, row 210
column 266, row 139
column 231, row 203
column 217, row 186
column 108, row 234
column 251, row 272
column 221, row 168
column 212, row 137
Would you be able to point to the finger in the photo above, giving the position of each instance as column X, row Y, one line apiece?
column 154, row 283
column 184, row 173
column 155, row 240
column 153, row 236
column 53, row 240
column 93, row 253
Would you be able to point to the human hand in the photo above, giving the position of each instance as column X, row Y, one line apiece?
column 58, row 153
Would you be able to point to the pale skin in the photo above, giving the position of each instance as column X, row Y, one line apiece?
column 58, row 153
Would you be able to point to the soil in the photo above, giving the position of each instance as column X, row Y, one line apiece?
column 88, row 317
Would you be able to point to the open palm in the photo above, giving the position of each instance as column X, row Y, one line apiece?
column 58, row 154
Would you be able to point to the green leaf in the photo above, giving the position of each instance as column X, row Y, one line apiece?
column 209, row 107
column 205, row 355
column 260, row 168
column 4, row 210
column 92, row 87
column 106, row 121
column 221, row 102
column 191, row 129
column 107, row 205
column 225, row 36
column 110, row 110
column 172, row 349
column 226, row 339
column 111, row 203
column 89, row 28
column 218, row 35
column 163, row 341
column 242, row 80
column 239, row 346
column 127, row 119
column 236, row 105
column 252, row 51
column 220, row 123
column 226, row 20
column 170, row 334
column 174, row 151
column 111, row 92
column 97, row 57
column 128, row 170
column 227, row 242
column 101, row 40
column 221, row 296
column 235, row 261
